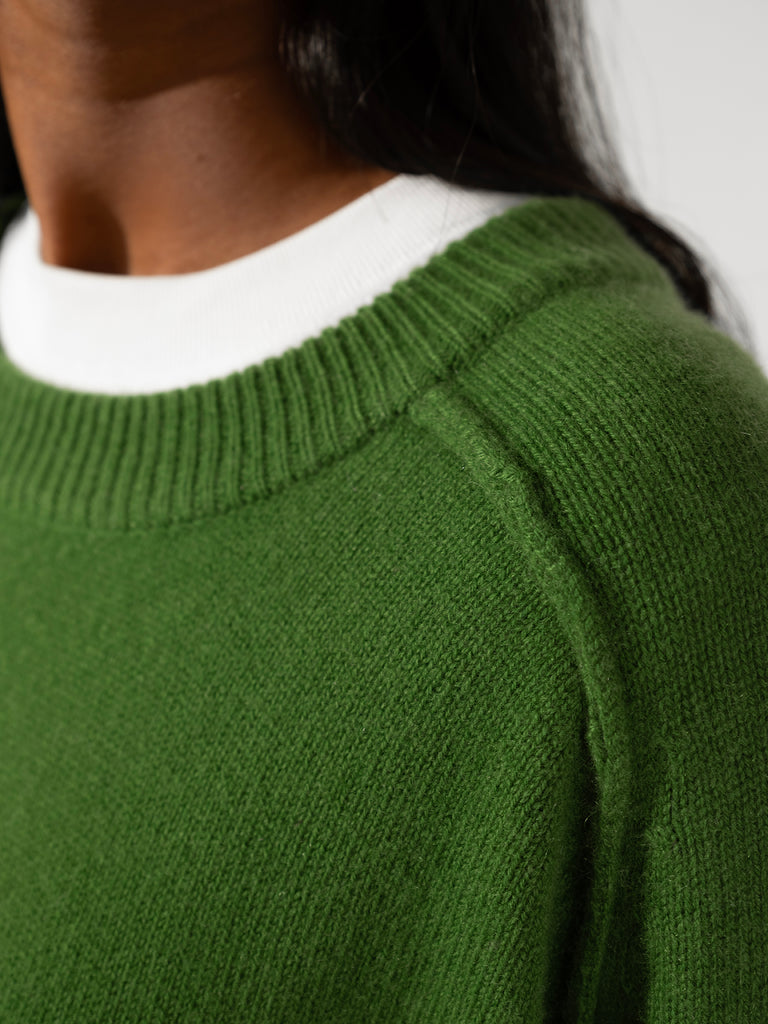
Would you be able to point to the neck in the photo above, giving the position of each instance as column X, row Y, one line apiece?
column 163, row 138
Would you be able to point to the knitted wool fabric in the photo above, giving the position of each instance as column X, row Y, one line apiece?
column 418, row 674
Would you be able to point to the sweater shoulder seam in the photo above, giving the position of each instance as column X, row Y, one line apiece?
column 516, row 493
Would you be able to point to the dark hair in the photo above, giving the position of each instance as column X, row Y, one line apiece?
column 487, row 94
column 483, row 93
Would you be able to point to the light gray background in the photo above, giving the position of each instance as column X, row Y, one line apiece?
column 687, row 91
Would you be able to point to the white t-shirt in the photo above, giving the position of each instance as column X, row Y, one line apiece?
column 123, row 334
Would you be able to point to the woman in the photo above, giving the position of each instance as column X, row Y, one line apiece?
column 383, row 554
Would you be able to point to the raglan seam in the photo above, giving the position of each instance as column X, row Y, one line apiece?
column 513, row 489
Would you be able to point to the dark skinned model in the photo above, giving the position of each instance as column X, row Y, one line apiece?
column 162, row 136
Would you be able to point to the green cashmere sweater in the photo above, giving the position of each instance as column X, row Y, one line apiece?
column 417, row 675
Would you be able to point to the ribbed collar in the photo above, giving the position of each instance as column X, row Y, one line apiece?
column 173, row 330
column 138, row 461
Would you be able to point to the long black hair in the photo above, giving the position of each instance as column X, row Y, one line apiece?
column 490, row 94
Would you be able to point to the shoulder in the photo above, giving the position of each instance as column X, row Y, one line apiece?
column 616, row 397
column 623, row 443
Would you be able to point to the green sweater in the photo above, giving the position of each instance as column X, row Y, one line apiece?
column 417, row 675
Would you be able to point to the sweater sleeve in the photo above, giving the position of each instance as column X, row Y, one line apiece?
column 644, row 518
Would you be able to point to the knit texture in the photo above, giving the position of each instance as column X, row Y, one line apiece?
column 416, row 675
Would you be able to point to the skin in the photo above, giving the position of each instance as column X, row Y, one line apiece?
column 162, row 136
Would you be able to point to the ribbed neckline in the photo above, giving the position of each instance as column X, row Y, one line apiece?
column 174, row 330
column 138, row 461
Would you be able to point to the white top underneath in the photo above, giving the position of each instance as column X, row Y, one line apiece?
column 128, row 334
